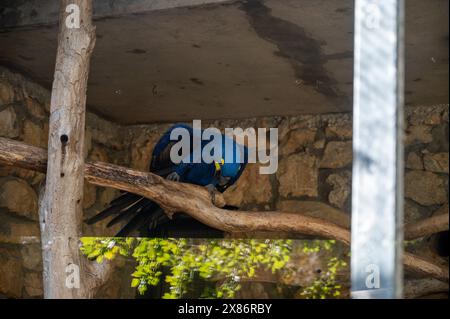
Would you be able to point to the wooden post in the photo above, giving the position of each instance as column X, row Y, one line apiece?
column 60, row 209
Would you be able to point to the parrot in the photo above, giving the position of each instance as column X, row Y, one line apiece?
column 148, row 218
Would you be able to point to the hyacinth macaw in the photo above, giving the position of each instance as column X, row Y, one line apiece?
column 148, row 218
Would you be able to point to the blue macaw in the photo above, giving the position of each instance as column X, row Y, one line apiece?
column 146, row 216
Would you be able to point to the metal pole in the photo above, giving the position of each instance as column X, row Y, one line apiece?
column 377, row 188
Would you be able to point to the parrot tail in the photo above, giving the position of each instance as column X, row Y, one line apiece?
column 150, row 220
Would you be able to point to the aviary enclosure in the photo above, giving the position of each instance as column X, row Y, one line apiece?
column 242, row 149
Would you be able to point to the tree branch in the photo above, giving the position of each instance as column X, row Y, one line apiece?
column 196, row 202
column 426, row 227
column 420, row 288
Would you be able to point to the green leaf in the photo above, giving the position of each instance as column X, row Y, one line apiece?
column 135, row 282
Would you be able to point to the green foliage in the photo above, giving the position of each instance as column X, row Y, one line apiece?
column 225, row 261
column 325, row 286
column 316, row 246
column 99, row 248
column 178, row 262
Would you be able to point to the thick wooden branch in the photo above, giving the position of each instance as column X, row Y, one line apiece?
column 421, row 288
column 426, row 227
column 196, row 201
column 415, row 230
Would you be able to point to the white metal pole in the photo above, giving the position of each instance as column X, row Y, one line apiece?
column 377, row 188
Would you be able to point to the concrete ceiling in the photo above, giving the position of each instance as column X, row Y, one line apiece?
column 226, row 59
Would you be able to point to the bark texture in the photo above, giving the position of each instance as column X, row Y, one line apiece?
column 60, row 211
column 432, row 225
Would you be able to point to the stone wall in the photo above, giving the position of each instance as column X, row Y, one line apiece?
column 314, row 175
column 24, row 111
column 315, row 162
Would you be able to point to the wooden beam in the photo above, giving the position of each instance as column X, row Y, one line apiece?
column 422, row 288
column 195, row 201
column 426, row 227
column 60, row 210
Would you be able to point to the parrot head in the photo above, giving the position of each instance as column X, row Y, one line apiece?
column 230, row 166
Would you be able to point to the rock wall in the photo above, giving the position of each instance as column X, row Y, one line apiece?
column 315, row 162
column 314, row 177
column 314, row 174
column 24, row 111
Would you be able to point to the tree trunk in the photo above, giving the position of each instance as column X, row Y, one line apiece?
column 60, row 210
